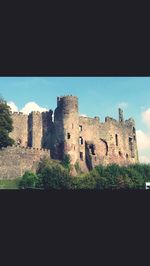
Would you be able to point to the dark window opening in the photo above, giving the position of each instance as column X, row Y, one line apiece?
column 133, row 129
column 81, row 141
column 74, row 148
column 120, row 154
column 68, row 136
column 81, row 156
column 130, row 143
column 131, row 147
column 116, row 138
column 92, row 149
column 134, row 138
column 80, row 128
column 127, row 156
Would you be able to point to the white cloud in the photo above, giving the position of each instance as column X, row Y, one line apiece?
column 28, row 108
column 144, row 159
column 32, row 106
column 13, row 107
column 123, row 105
column 143, row 140
column 146, row 117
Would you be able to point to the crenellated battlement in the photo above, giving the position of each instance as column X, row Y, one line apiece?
column 18, row 114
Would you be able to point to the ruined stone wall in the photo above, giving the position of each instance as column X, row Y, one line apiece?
column 88, row 136
column 109, row 142
column 20, row 131
column 14, row 161
column 119, row 149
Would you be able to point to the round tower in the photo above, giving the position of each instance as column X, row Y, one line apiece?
column 66, row 123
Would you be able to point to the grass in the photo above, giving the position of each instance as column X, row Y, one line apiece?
column 9, row 184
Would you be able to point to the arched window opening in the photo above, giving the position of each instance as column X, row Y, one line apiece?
column 120, row 154
column 134, row 130
column 104, row 147
column 81, row 141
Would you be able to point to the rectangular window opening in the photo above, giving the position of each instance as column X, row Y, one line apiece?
column 80, row 128
column 116, row 138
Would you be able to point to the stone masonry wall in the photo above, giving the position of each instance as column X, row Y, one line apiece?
column 105, row 143
column 20, row 131
column 35, row 130
column 14, row 161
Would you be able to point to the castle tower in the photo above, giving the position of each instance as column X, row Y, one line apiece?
column 35, row 131
column 47, row 125
column 132, row 140
column 66, row 128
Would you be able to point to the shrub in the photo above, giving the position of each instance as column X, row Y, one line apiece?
column 66, row 162
column 28, row 180
column 53, row 176
column 84, row 181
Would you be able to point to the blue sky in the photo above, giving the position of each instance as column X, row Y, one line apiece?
column 98, row 96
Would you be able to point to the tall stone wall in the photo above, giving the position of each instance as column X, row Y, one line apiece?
column 20, row 131
column 35, row 130
column 47, row 130
column 88, row 139
column 14, row 161
column 109, row 142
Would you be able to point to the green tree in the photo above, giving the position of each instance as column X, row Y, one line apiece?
column 52, row 175
column 28, row 180
column 84, row 181
column 5, row 124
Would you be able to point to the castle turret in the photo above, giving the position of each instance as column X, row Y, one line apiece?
column 132, row 140
column 66, row 124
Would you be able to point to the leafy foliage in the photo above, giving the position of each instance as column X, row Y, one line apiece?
column 5, row 124
column 66, row 162
column 28, row 180
column 84, row 181
column 53, row 175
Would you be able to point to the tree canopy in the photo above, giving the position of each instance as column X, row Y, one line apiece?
column 6, row 124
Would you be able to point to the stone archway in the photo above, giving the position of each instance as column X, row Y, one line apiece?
column 103, row 148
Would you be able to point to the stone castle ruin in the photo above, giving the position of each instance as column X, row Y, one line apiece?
column 88, row 141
